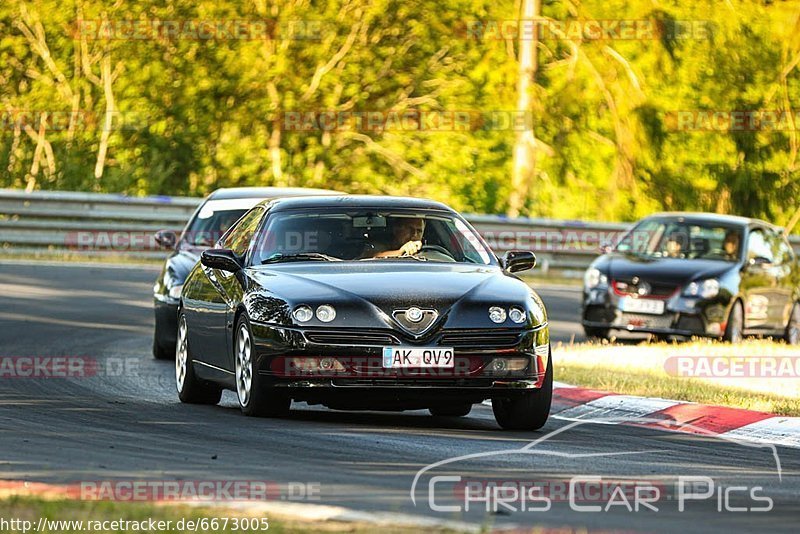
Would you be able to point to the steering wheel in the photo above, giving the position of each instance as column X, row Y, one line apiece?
column 436, row 248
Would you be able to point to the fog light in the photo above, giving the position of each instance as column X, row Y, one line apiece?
column 330, row 364
column 326, row 313
column 516, row 315
column 303, row 314
column 497, row 314
column 498, row 364
column 508, row 364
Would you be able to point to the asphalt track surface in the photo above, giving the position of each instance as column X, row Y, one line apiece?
column 127, row 423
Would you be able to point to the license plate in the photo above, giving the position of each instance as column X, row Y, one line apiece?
column 655, row 307
column 404, row 357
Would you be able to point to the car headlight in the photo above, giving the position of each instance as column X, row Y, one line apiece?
column 302, row 314
column 594, row 278
column 704, row 288
column 497, row 314
column 516, row 315
column 175, row 291
column 326, row 313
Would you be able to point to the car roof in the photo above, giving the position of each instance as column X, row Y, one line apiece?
column 712, row 217
column 356, row 201
column 226, row 193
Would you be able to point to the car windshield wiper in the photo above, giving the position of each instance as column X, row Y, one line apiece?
column 304, row 256
column 417, row 258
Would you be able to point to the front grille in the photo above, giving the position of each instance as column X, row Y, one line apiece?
column 657, row 290
column 352, row 338
column 480, row 339
column 467, row 339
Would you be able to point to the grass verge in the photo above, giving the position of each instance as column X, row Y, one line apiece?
column 93, row 514
column 649, row 370
column 650, row 385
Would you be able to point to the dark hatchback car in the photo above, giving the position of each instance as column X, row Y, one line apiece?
column 209, row 222
column 695, row 274
column 357, row 302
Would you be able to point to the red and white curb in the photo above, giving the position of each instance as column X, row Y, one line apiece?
column 573, row 403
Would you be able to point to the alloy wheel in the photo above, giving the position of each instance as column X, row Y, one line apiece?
column 181, row 355
column 244, row 369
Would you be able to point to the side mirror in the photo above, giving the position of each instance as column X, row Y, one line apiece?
column 519, row 260
column 222, row 259
column 760, row 261
column 166, row 238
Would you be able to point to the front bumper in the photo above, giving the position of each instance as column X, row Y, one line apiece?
column 355, row 368
column 682, row 316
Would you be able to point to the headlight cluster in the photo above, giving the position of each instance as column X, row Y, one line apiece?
column 175, row 291
column 703, row 288
column 498, row 315
column 325, row 313
column 594, row 278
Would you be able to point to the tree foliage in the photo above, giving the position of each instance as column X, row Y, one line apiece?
column 188, row 115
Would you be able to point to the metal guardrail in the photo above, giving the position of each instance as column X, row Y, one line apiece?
column 94, row 224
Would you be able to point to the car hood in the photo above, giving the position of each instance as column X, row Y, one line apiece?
column 367, row 290
column 662, row 270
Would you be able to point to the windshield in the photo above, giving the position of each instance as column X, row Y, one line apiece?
column 335, row 235
column 205, row 231
column 214, row 218
column 680, row 239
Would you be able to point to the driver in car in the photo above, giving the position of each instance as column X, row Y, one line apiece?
column 406, row 237
column 731, row 244
column 673, row 248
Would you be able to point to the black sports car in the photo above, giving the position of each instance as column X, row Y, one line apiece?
column 209, row 222
column 696, row 274
column 359, row 302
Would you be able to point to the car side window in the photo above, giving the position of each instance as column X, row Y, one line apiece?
column 782, row 250
column 240, row 236
column 758, row 246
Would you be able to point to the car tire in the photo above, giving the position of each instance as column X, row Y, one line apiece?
column 792, row 335
column 596, row 333
column 256, row 397
column 160, row 352
column 735, row 326
column 452, row 410
column 191, row 389
column 528, row 411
